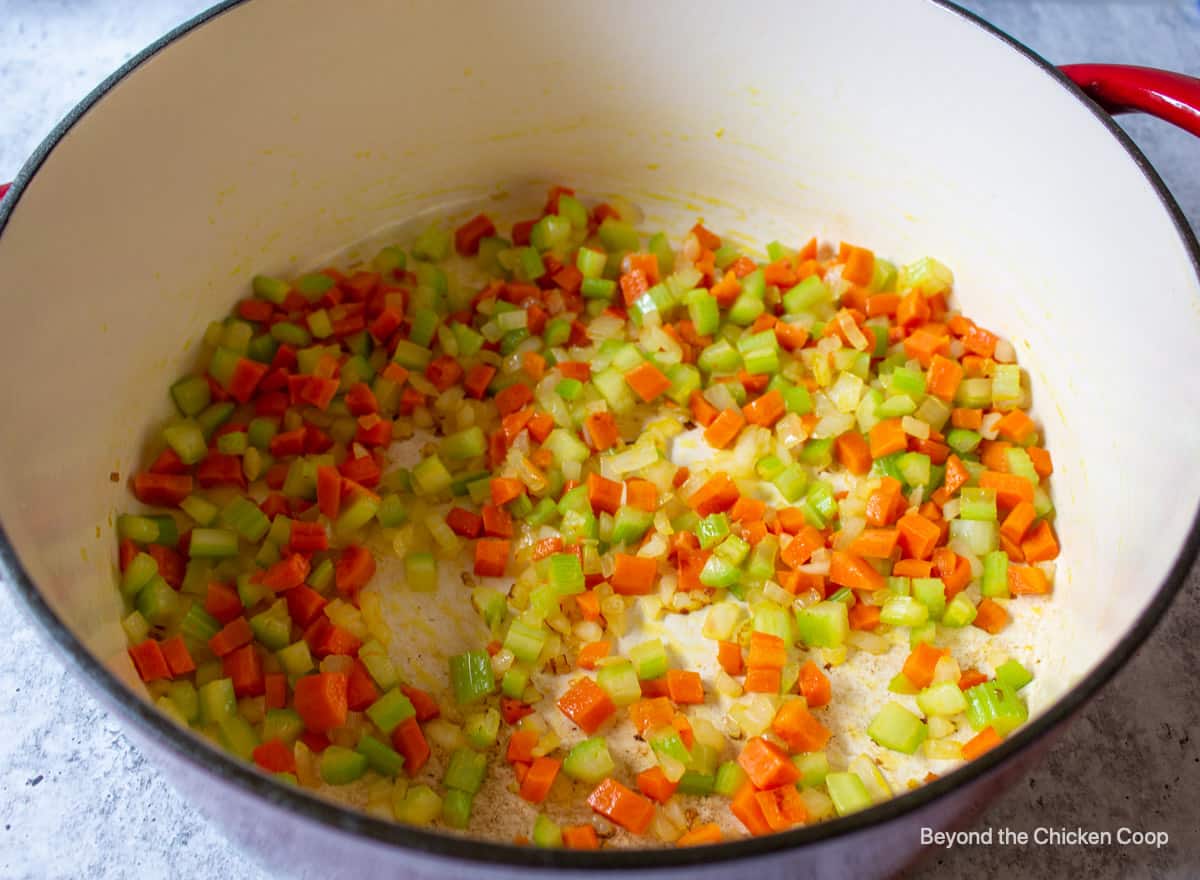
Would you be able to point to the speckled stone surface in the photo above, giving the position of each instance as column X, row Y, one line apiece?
column 77, row 800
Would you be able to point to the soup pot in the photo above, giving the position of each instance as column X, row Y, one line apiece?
column 267, row 132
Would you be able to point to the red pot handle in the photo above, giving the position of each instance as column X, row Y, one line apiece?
column 1123, row 88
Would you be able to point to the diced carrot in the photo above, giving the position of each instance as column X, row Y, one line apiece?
column 801, row 548
column 468, row 236
column 763, row 680
column 534, row 365
column 724, row 428
column 274, row 756
column 650, row 714
column 957, row 474
column 968, row 678
column 766, row 410
column 918, row 535
column 994, row 455
column 1040, row 545
column 703, row 412
column 782, row 807
column 748, row 510
column 497, row 522
column 354, row 569
column 848, row 570
column 622, row 806
column 972, row 419
column 647, row 381
column 767, row 764
column 506, row 489
column 882, row 503
column 913, row 568
column 1018, row 521
column 148, row 659
column 521, row 745
column 285, row 574
column 766, row 651
column 982, row 742
column 477, row 380
column 859, row 264
column 1011, row 489
column 513, row 398
column 587, row 704
column 604, row 494
column 864, row 617
column 923, row 343
column 799, row 728
column 918, row 668
column 990, row 616
column 491, row 557
column 746, row 809
column 887, row 436
column 179, row 659
column 1027, row 580
column 701, row 835
column 592, row 652
column 853, row 452
column 537, row 782
column 913, row 309
column 729, row 655
column 321, row 700
column 276, row 690
column 685, row 686
column 589, row 606
column 814, row 685
column 602, row 432
column 653, row 783
column 716, row 496
column 944, row 377
column 580, row 837
column 633, row 575
column 641, row 494
column 790, row 336
column 1041, row 461
column 409, row 740
column 232, row 636
column 979, row 341
column 875, row 543
column 464, row 523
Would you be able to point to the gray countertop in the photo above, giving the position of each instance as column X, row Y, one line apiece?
column 76, row 799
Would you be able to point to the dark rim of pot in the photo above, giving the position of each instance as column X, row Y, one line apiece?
column 212, row 760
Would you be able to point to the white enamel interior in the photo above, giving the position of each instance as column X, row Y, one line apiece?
column 283, row 130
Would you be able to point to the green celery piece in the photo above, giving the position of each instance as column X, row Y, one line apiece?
column 390, row 711
column 514, row 682
column 630, row 524
column 238, row 736
column 1013, row 674
column 719, row 573
column 619, row 679
column 589, row 761
column 903, row 611
column 666, row 742
column 466, row 771
column 977, row 504
column 547, row 834
column 813, row 767
column 187, row 440
column 381, row 758
column 471, row 676
column 618, row 236
column 896, row 728
column 649, row 659
column 930, row 592
column 550, row 232
column 995, row 704
column 217, row 701
column 420, row 805
column 273, row 290
column 191, row 394
column 806, row 295
column 140, row 571
column 703, row 311
column 745, row 309
column 389, row 259
column 995, row 574
column 712, row 530
column 341, row 766
column 482, row 728
column 729, row 779
column 695, row 783
column 791, row 481
column 430, row 476
column 525, row 641
column 944, row 699
column 432, row 245
column 461, row 446
column 720, row 357
column 960, row 611
column 456, row 808
column 421, row 572
column 243, row 516
column 158, row 603
column 823, row 625
column 848, row 793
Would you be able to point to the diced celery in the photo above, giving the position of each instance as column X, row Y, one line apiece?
column 589, row 761
column 630, row 524
column 848, row 793
column 466, row 770
column 620, row 681
column 729, row 779
column 618, row 236
column 930, row 592
column 191, row 394
column 421, row 572
column 390, row 710
column 791, row 482
column 813, row 766
column 238, row 736
column 903, row 611
column 1013, row 674
column 158, row 603
column 430, row 476
column 482, row 728
column 217, row 701
column 381, row 758
column 525, row 641
column 546, row 832
column 456, row 808
column 977, row 504
column 823, row 625
column 944, row 699
column 296, row 658
column 341, row 766
column 979, row 536
column 995, row 704
column 896, row 728
column 649, row 659
column 420, row 805
column 471, row 676
column 995, row 574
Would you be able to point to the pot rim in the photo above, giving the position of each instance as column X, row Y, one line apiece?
column 209, row 759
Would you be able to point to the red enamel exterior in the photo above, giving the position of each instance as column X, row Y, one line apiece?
column 1122, row 88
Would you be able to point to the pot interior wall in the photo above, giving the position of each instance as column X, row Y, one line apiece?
column 282, row 131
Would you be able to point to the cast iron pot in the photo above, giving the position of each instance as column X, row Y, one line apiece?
column 266, row 132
